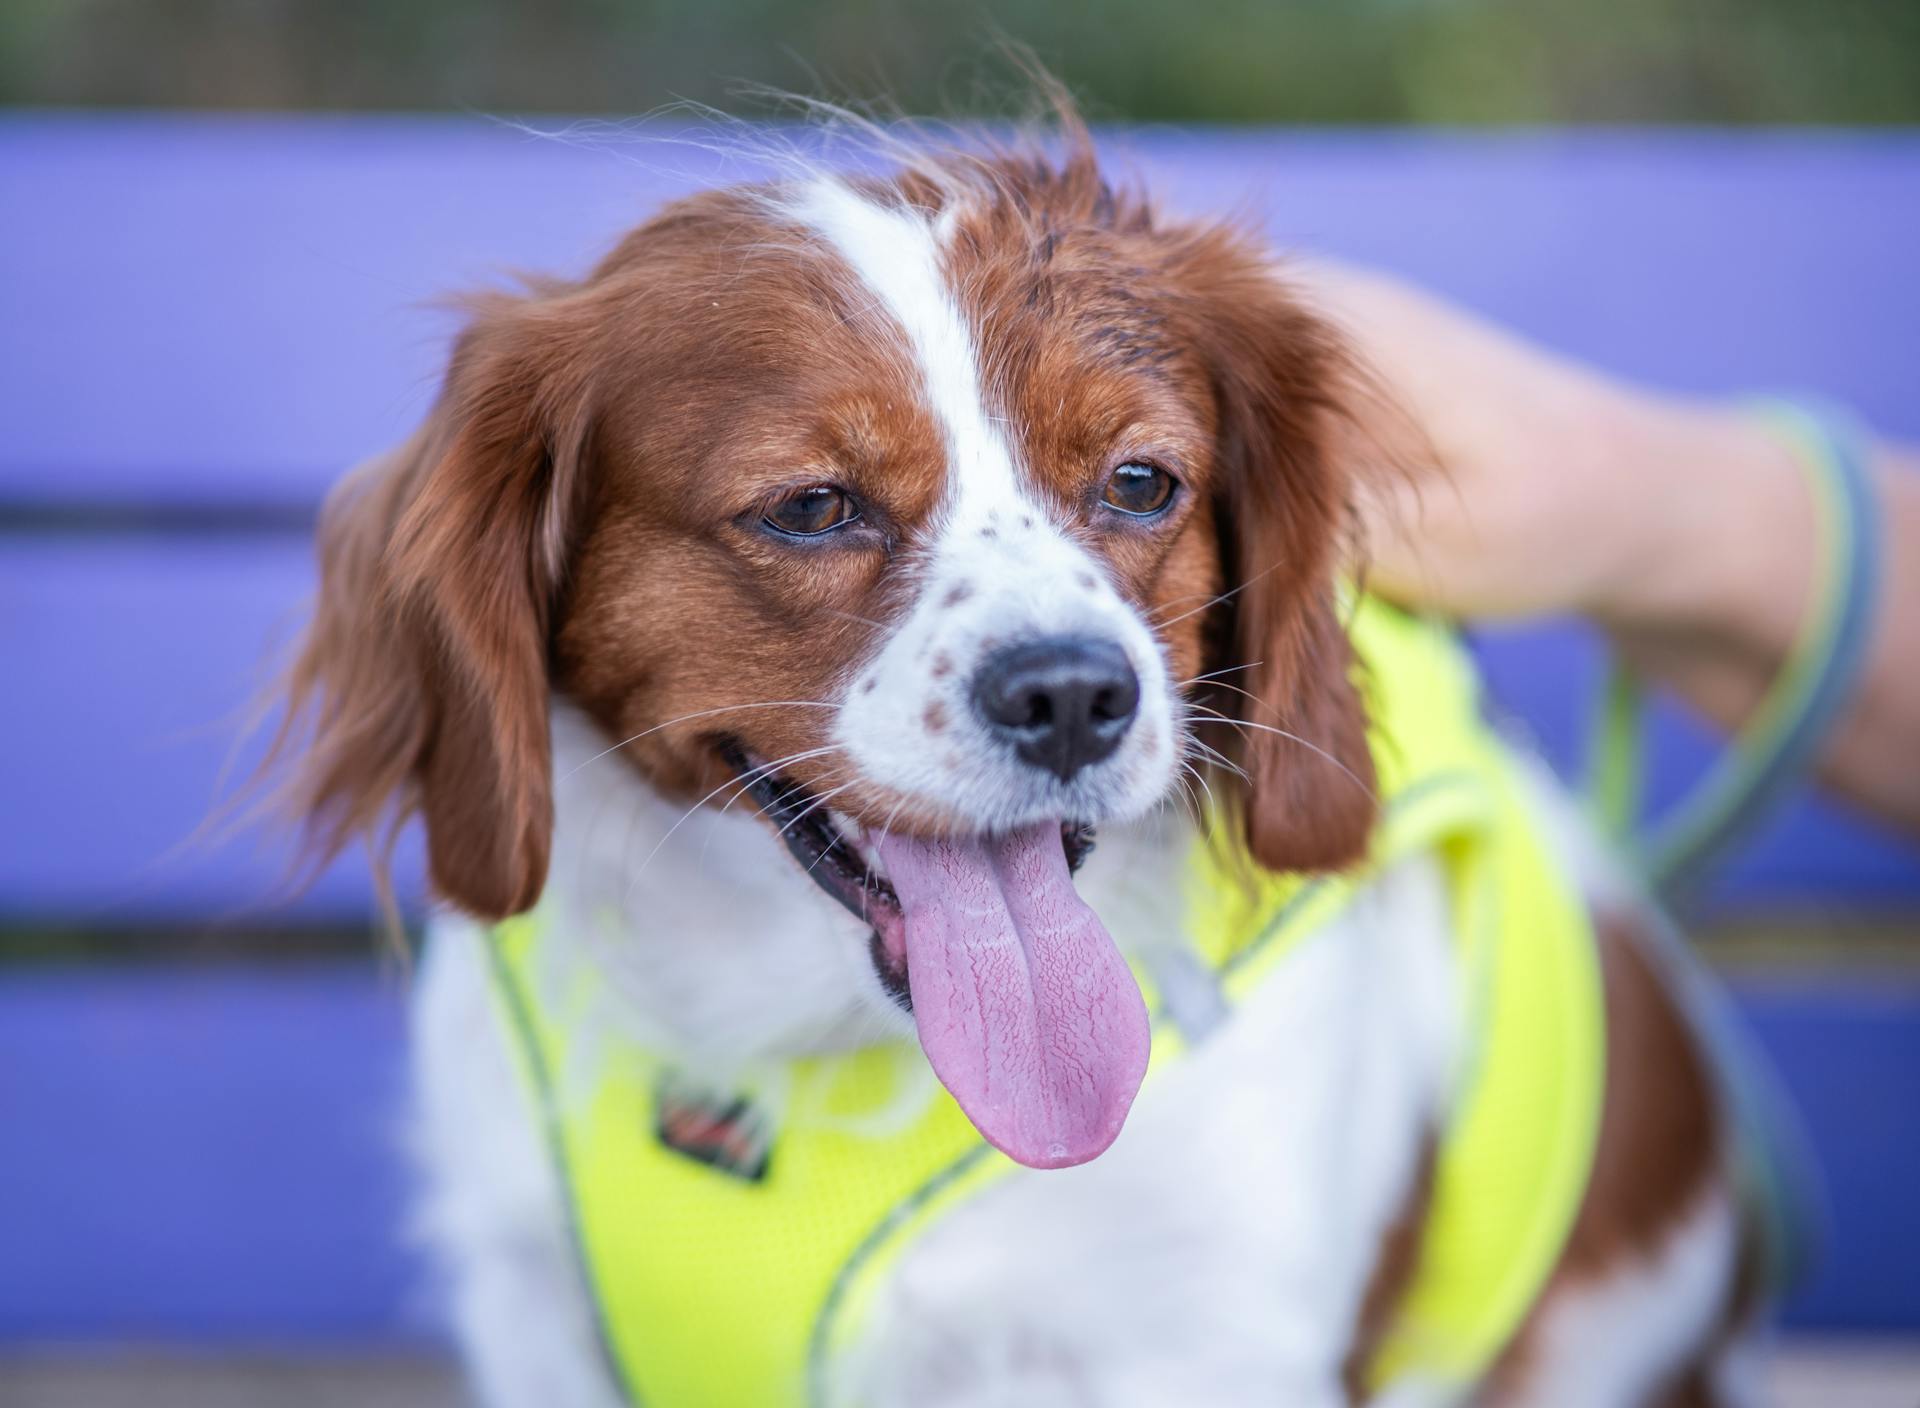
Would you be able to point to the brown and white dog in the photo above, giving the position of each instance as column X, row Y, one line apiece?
column 943, row 498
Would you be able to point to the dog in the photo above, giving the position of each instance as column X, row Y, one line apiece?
column 766, row 627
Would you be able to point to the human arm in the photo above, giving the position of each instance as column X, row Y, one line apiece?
column 1684, row 529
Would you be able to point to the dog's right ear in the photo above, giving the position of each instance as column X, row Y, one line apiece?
column 1286, row 387
column 421, row 685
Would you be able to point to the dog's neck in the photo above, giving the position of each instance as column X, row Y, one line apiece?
column 708, row 943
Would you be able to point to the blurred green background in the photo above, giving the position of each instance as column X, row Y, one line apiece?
column 1296, row 61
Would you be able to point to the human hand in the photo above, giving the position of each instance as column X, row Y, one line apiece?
column 1536, row 485
column 1513, row 482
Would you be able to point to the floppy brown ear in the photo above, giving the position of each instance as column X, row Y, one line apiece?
column 422, row 683
column 1284, row 384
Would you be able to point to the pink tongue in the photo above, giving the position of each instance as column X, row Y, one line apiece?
column 1026, row 1010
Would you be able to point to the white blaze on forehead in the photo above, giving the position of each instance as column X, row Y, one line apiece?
column 895, row 252
column 998, row 568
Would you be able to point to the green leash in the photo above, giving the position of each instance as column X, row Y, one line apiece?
column 1763, row 761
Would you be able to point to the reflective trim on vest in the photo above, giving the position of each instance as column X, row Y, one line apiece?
column 713, row 1288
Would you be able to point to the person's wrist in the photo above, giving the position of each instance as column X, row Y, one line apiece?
column 1718, row 536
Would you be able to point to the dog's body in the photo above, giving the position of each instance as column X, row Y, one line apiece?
column 922, row 478
column 1220, row 1253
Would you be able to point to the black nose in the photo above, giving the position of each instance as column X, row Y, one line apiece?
column 1062, row 702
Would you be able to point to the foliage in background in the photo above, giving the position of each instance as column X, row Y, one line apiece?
column 1336, row 61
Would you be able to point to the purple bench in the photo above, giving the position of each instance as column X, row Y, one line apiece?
column 203, row 322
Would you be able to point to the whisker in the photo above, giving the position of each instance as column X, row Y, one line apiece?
column 1215, row 674
column 1248, row 694
column 1183, row 797
column 1216, row 600
column 753, row 775
column 667, row 836
column 849, row 616
column 703, row 714
column 1213, row 802
column 823, row 855
column 1206, row 749
column 1190, row 802
column 1198, row 777
column 1219, row 759
column 817, row 803
column 679, row 822
column 885, row 826
column 1214, row 714
column 1308, row 744
column 1172, row 602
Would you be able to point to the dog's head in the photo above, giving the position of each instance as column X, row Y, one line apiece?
column 948, row 515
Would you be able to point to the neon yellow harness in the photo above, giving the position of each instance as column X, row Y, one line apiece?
column 713, row 1288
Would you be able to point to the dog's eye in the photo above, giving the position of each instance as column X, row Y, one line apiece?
column 1139, row 489
column 809, row 512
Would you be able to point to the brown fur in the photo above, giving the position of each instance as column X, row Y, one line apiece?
column 1392, row 1275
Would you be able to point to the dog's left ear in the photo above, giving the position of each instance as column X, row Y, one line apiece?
column 422, row 683
column 1285, row 387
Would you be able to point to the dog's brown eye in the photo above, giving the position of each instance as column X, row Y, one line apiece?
column 809, row 512
column 1139, row 489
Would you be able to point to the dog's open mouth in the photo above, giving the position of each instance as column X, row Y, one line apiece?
column 832, row 860
column 1025, row 1008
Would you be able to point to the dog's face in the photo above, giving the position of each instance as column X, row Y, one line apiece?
column 911, row 511
column 948, row 517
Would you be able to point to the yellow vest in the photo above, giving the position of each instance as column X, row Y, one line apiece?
column 718, row 1286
